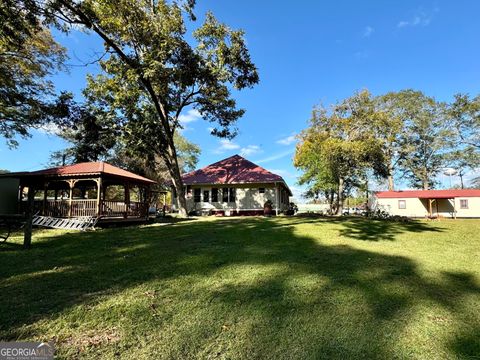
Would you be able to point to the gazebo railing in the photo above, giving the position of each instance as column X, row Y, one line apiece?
column 113, row 208
column 89, row 207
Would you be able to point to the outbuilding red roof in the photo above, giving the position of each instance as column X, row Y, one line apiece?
column 429, row 194
column 86, row 168
column 232, row 170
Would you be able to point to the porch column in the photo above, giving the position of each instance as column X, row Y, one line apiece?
column 454, row 209
column 430, row 208
column 276, row 199
column 27, row 235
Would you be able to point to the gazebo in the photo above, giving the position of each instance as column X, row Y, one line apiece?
column 95, row 189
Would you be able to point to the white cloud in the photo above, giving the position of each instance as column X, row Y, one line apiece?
column 288, row 140
column 420, row 18
column 368, row 31
column 275, row 157
column 250, row 150
column 50, row 128
column 226, row 145
column 191, row 116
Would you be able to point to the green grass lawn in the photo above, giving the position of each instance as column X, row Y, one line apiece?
column 291, row 288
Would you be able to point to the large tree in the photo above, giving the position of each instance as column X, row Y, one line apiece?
column 425, row 139
column 462, row 160
column 149, row 64
column 389, row 125
column 464, row 113
column 92, row 131
column 28, row 56
column 340, row 147
column 96, row 133
column 464, row 117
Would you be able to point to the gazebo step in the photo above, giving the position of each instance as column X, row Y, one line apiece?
column 79, row 223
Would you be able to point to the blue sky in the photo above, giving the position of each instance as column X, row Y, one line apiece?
column 308, row 52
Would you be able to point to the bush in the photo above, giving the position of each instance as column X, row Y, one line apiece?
column 383, row 215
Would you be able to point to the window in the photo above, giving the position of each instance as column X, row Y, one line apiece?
column 214, row 194
column 206, row 196
column 402, row 204
column 463, row 204
column 228, row 195
column 231, row 193
column 261, row 190
column 225, row 195
column 196, row 195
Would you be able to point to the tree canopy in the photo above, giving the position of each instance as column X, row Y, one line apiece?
column 339, row 147
column 399, row 134
column 28, row 56
column 150, row 67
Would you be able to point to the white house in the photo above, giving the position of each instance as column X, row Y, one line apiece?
column 463, row 203
column 234, row 186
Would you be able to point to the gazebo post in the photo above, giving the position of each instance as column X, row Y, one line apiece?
column 19, row 198
column 71, row 184
column 44, row 207
column 27, row 235
column 99, row 199
column 127, row 198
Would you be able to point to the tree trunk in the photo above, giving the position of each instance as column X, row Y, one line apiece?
column 461, row 179
column 425, row 184
column 340, row 196
column 331, row 197
column 174, row 170
column 391, row 186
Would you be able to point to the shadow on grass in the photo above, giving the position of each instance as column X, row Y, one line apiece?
column 375, row 230
column 302, row 298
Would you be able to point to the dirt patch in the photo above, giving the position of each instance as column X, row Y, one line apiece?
column 93, row 338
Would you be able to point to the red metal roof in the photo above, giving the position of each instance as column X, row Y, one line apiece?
column 429, row 194
column 86, row 168
column 232, row 170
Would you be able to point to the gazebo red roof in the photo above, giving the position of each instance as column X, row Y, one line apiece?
column 86, row 168
column 429, row 194
column 232, row 170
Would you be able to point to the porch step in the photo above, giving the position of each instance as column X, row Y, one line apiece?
column 79, row 223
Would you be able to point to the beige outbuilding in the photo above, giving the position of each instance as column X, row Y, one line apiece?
column 463, row 203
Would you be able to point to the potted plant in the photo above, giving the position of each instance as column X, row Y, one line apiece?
column 268, row 208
